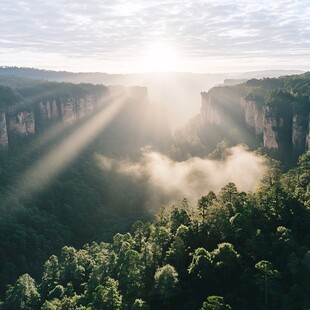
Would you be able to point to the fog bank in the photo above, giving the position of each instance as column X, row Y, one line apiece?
column 169, row 181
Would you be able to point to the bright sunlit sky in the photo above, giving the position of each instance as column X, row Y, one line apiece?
column 121, row 36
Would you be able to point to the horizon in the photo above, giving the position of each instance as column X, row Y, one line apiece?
column 120, row 38
column 298, row 71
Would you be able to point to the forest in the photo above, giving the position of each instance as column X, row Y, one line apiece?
column 91, row 240
column 233, row 250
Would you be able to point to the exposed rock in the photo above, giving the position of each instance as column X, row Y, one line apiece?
column 270, row 136
column 210, row 113
column 280, row 128
column 85, row 106
column 49, row 110
column 3, row 131
column 22, row 123
column 299, row 133
column 308, row 135
column 22, row 118
column 253, row 115
column 68, row 112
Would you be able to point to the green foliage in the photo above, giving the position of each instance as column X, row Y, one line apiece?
column 140, row 304
column 229, row 193
column 166, row 280
column 8, row 97
column 201, row 266
column 248, row 251
column 215, row 303
column 204, row 202
column 23, row 294
column 107, row 297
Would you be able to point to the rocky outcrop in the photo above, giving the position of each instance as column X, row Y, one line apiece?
column 4, row 141
column 253, row 114
column 49, row 110
column 85, row 106
column 308, row 135
column 209, row 111
column 22, row 123
column 299, row 132
column 277, row 126
column 270, row 123
column 24, row 118
column 68, row 110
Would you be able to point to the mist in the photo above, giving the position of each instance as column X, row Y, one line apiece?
column 170, row 181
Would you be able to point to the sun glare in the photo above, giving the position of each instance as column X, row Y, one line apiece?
column 159, row 57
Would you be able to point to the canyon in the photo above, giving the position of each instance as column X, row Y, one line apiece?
column 26, row 117
column 278, row 128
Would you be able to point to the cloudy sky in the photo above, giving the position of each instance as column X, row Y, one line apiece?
column 149, row 35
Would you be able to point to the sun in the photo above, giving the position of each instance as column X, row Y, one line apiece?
column 159, row 57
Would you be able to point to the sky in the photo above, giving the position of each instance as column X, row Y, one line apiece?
column 122, row 36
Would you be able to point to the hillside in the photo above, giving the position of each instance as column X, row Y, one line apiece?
column 234, row 250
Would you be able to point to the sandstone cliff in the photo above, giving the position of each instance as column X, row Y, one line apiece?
column 4, row 141
column 273, row 122
column 22, row 123
column 38, row 111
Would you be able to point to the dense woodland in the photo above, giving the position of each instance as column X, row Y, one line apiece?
column 234, row 250
column 103, row 249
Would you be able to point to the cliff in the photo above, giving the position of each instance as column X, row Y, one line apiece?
column 273, row 112
column 253, row 114
column 41, row 106
column 308, row 135
column 22, row 123
column 4, row 141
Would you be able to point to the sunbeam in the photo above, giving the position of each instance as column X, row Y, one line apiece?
column 37, row 177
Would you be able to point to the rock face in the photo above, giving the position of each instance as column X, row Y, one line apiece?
column 299, row 132
column 209, row 111
column 221, row 107
column 253, row 114
column 308, row 135
column 49, row 110
column 68, row 110
column 270, row 135
column 279, row 129
column 17, row 120
column 22, row 123
column 4, row 141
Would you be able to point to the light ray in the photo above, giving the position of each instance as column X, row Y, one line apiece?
column 44, row 170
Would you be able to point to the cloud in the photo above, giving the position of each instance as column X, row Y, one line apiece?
column 114, row 31
column 169, row 181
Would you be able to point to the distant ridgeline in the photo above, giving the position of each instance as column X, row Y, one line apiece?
column 272, row 113
column 29, row 110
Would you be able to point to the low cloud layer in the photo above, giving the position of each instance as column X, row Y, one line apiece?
column 169, row 181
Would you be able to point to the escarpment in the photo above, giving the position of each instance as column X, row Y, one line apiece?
column 57, row 103
column 277, row 118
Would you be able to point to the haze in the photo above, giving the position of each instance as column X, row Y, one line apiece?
column 169, row 181
column 171, row 47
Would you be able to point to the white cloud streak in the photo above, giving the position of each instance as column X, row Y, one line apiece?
column 169, row 181
column 114, row 31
